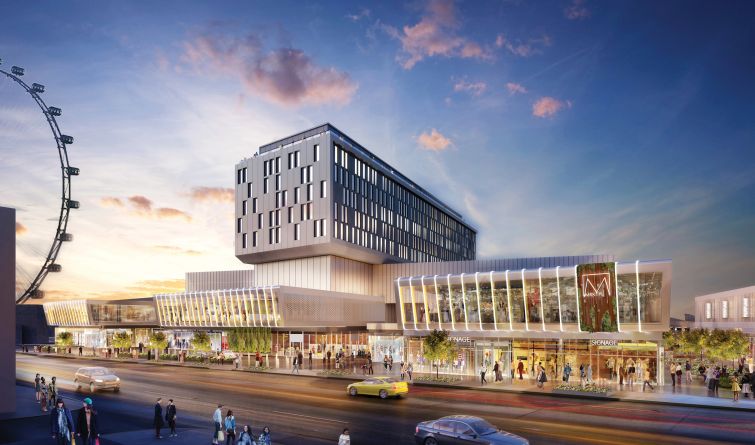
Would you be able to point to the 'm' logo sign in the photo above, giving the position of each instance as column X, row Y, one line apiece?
column 596, row 285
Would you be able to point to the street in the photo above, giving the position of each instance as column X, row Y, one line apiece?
column 308, row 410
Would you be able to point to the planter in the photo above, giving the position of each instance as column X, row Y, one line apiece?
column 582, row 393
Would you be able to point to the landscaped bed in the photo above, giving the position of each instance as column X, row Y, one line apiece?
column 434, row 379
column 586, row 390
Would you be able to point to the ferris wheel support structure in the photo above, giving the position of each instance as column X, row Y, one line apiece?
column 66, row 203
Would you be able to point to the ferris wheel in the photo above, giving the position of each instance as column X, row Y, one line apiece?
column 29, row 280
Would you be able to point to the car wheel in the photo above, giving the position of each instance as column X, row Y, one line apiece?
column 352, row 391
column 383, row 394
column 78, row 385
column 117, row 389
column 91, row 387
column 431, row 441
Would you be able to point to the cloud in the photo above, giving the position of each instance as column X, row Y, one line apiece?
column 169, row 212
column 548, row 106
column 521, row 48
column 177, row 250
column 436, row 34
column 473, row 88
column 110, row 201
column 285, row 76
column 218, row 194
column 515, row 88
column 21, row 229
column 577, row 10
column 364, row 13
column 434, row 141
column 140, row 203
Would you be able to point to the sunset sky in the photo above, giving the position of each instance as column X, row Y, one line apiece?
column 556, row 127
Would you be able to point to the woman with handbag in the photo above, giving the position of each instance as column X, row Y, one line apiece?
column 61, row 423
column 230, row 428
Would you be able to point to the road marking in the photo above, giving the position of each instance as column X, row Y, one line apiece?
column 310, row 417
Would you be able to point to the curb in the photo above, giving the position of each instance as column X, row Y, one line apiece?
column 430, row 385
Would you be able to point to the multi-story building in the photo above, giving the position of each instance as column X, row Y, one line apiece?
column 349, row 254
column 731, row 309
column 319, row 193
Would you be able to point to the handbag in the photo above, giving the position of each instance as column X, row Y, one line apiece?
column 97, row 441
column 221, row 435
column 73, row 439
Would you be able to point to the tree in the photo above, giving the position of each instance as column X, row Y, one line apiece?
column 158, row 341
column 201, row 341
column 727, row 344
column 437, row 347
column 64, row 339
column 122, row 340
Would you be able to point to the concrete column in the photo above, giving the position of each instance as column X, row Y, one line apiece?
column 7, row 309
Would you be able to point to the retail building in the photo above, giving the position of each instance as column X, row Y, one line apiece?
column 350, row 255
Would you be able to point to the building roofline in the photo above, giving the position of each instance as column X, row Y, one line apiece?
column 387, row 168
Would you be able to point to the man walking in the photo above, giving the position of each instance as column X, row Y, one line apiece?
column 310, row 359
column 87, row 425
column 170, row 416
column 483, row 371
column 672, row 371
column 296, row 365
column 52, row 389
column 217, row 418
column 647, row 380
column 688, row 371
column 158, row 420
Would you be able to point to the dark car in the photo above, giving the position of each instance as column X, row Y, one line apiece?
column 457, row 430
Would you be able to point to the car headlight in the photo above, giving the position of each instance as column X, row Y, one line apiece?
column 98, row 381
column 117, row 379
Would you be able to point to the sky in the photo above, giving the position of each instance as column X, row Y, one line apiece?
column 556, row 127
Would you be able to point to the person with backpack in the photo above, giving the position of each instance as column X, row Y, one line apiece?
column 170, row 417
column 61, row 423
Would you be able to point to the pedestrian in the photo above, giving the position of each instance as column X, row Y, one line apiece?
column 483, row 371
column 679, row 373
column 328, row 363
column 567, row 372
column 158, row 420
column 245, row 437
column 543, row 377
column 622, row 373
column 296, row 365
column 370, row 371
column 385, row 362
column 217, row 418
column 300, row 356
column 409, row 370
column 746, row 385
column 81, row 351
column 310, row 359
column 646, row 380
column 672, row 371
column 390, row 362
column 589, row 373
column 230, row 428
column 688, row 371
column 582, row 374
column 257, row 358
column 716, row 379
column 37, row 393
column 631, row 375
column 61, row 423
column 87, row 427
column 43, row 394
column 735, row 388
column 52, row 390
column 520, row 369
column 402, row 369
column 264, row 438
column 237, row 362
column 496, row 368
column 344, row 438
column 170, row 417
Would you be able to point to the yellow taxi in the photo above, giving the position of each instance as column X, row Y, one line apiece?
column 383, row 387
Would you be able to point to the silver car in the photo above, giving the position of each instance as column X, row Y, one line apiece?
column 458, row 430
column 96, row 377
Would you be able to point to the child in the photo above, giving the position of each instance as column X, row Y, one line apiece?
column 735, row 388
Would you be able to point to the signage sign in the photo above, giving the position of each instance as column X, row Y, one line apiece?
column 296, row 338
column 597, row 297
column 461, row 341
column 596, row 342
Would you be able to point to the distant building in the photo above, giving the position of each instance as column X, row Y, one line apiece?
column 677, row 324
column 731, row 309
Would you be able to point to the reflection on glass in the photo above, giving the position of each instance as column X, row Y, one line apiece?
column 457, row 303
column 432, row 305
column 486, row 301
column 517, row 305
column 470, row 298
column 650, row 296
column 501, row 300
column 533, row 300
column 627, row 294
column 550, row 300
column 445, row 303
column 419, row 303
column 568, row 299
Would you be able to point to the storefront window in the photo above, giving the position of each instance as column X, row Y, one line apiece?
column 532, row 287
column 627, row 294
column 445, row 303
column 501, row 301
column 486, row 301
column 470, row 297
column 517, row 304
column 432, row 303
column 550, row 300
column 419, row 303
column 457, row 303
column 568, row 299
column 650, row 296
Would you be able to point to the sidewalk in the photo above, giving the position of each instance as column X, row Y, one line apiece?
column 694, row 394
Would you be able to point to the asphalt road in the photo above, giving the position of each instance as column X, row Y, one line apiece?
column 315, row 410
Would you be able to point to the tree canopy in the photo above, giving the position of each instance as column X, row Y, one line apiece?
column 437, row 346
column 201, row 341
column 64, row 339
column 716, row 344
column 122, row 340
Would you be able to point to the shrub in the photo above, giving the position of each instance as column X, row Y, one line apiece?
column 593, row 389
column 725, row 382
column 64, row 339
column 437, row 379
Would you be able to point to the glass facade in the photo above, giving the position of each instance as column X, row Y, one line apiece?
column 529, row 299
column 251, row 307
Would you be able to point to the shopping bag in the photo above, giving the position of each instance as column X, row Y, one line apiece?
column 221, row 435
column 73, row 439
column 97, row 441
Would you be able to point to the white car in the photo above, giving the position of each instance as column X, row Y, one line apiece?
column 96, row 377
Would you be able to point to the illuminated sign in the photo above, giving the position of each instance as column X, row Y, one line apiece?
column 597, row 297
column 596, row 342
